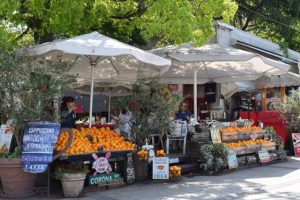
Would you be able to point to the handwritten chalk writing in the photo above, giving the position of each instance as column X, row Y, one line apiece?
column 35, row 167
column 41, row 130
column 40, row 147
column 33, row 158
column 39, row 138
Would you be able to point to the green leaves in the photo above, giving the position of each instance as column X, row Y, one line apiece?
column 133, row 21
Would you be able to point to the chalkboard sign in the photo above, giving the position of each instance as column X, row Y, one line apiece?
column 38, row 144
column 130, row 173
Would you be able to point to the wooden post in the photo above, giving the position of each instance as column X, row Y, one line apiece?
column 282, row 93
column 264, row 99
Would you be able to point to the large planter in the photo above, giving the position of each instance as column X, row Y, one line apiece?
column 72, row 184
column 16, row 183
column 141, row 169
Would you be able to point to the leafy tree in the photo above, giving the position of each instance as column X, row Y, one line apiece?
column 28, row 89
column 131, row 21
column 274, row 20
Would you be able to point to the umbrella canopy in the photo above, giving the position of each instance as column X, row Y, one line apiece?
column 228, row 89
column 107, row 89
column 284, row 80
column 212, row 62
column 99, row 57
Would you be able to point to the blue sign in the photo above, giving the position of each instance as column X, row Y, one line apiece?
column 38, row 144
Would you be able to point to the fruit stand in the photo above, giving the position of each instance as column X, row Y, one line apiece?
column 97, row 148
column 249, row 143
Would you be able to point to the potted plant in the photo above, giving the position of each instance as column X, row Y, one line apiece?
column 141, row 165
column 28, row 90
column 72, row 179
column 289, row 110
column 152, row 105
column 213, row 157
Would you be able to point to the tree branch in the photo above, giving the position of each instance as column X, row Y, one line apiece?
column 23, row 33
column 140, row 11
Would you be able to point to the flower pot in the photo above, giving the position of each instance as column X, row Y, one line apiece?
column 72, row 184
column 16, row 183
column 141, row 169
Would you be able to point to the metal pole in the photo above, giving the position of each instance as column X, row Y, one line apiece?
column 93, row 65
column 109, row 106
column 195, row 95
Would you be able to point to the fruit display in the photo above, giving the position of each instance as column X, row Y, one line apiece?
column 242, row 129
column 160, row 153
column 89, row 140
column 174, row 171
column 248, row 143
column 143, row 154
column 250, row 146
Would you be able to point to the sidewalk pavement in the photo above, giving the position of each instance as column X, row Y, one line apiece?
column 274, row 182
column 279, row 181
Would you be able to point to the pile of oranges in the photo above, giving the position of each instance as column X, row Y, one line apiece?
column 233, row 129
column 143, row 154
column 160, row 153
column 92, row 140
column 175, row 171
column 247, row 143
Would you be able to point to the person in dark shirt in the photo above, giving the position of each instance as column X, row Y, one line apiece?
column 67, row 111
column 183, row 114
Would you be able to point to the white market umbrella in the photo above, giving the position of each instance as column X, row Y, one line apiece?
column 97, row 57
column 228, row 89
column 284, row 80
column 212, row 62
column 107, row 89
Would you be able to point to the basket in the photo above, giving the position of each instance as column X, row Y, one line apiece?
column 260, row 133
column 230, row 136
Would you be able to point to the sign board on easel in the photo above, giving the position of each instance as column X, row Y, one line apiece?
column 160, row 168
column 232, row 159
column 296, row 142
column 264, row 156
column 38, row 145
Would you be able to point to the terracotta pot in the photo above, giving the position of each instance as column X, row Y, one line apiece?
column 141, row 169
column 16, row 183
column 72, row 184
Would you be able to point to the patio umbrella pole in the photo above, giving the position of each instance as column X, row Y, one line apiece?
column 109, row 105
column 93, row 65
column 195, row 95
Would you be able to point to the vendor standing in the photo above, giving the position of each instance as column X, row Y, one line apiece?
column 184, row 114
column 124, row 121
column 67, row 111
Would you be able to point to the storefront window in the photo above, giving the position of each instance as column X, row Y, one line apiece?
column 273, row 98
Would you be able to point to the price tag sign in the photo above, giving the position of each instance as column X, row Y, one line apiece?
column 253, row 136
column 38, row 145
column 160, row 168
